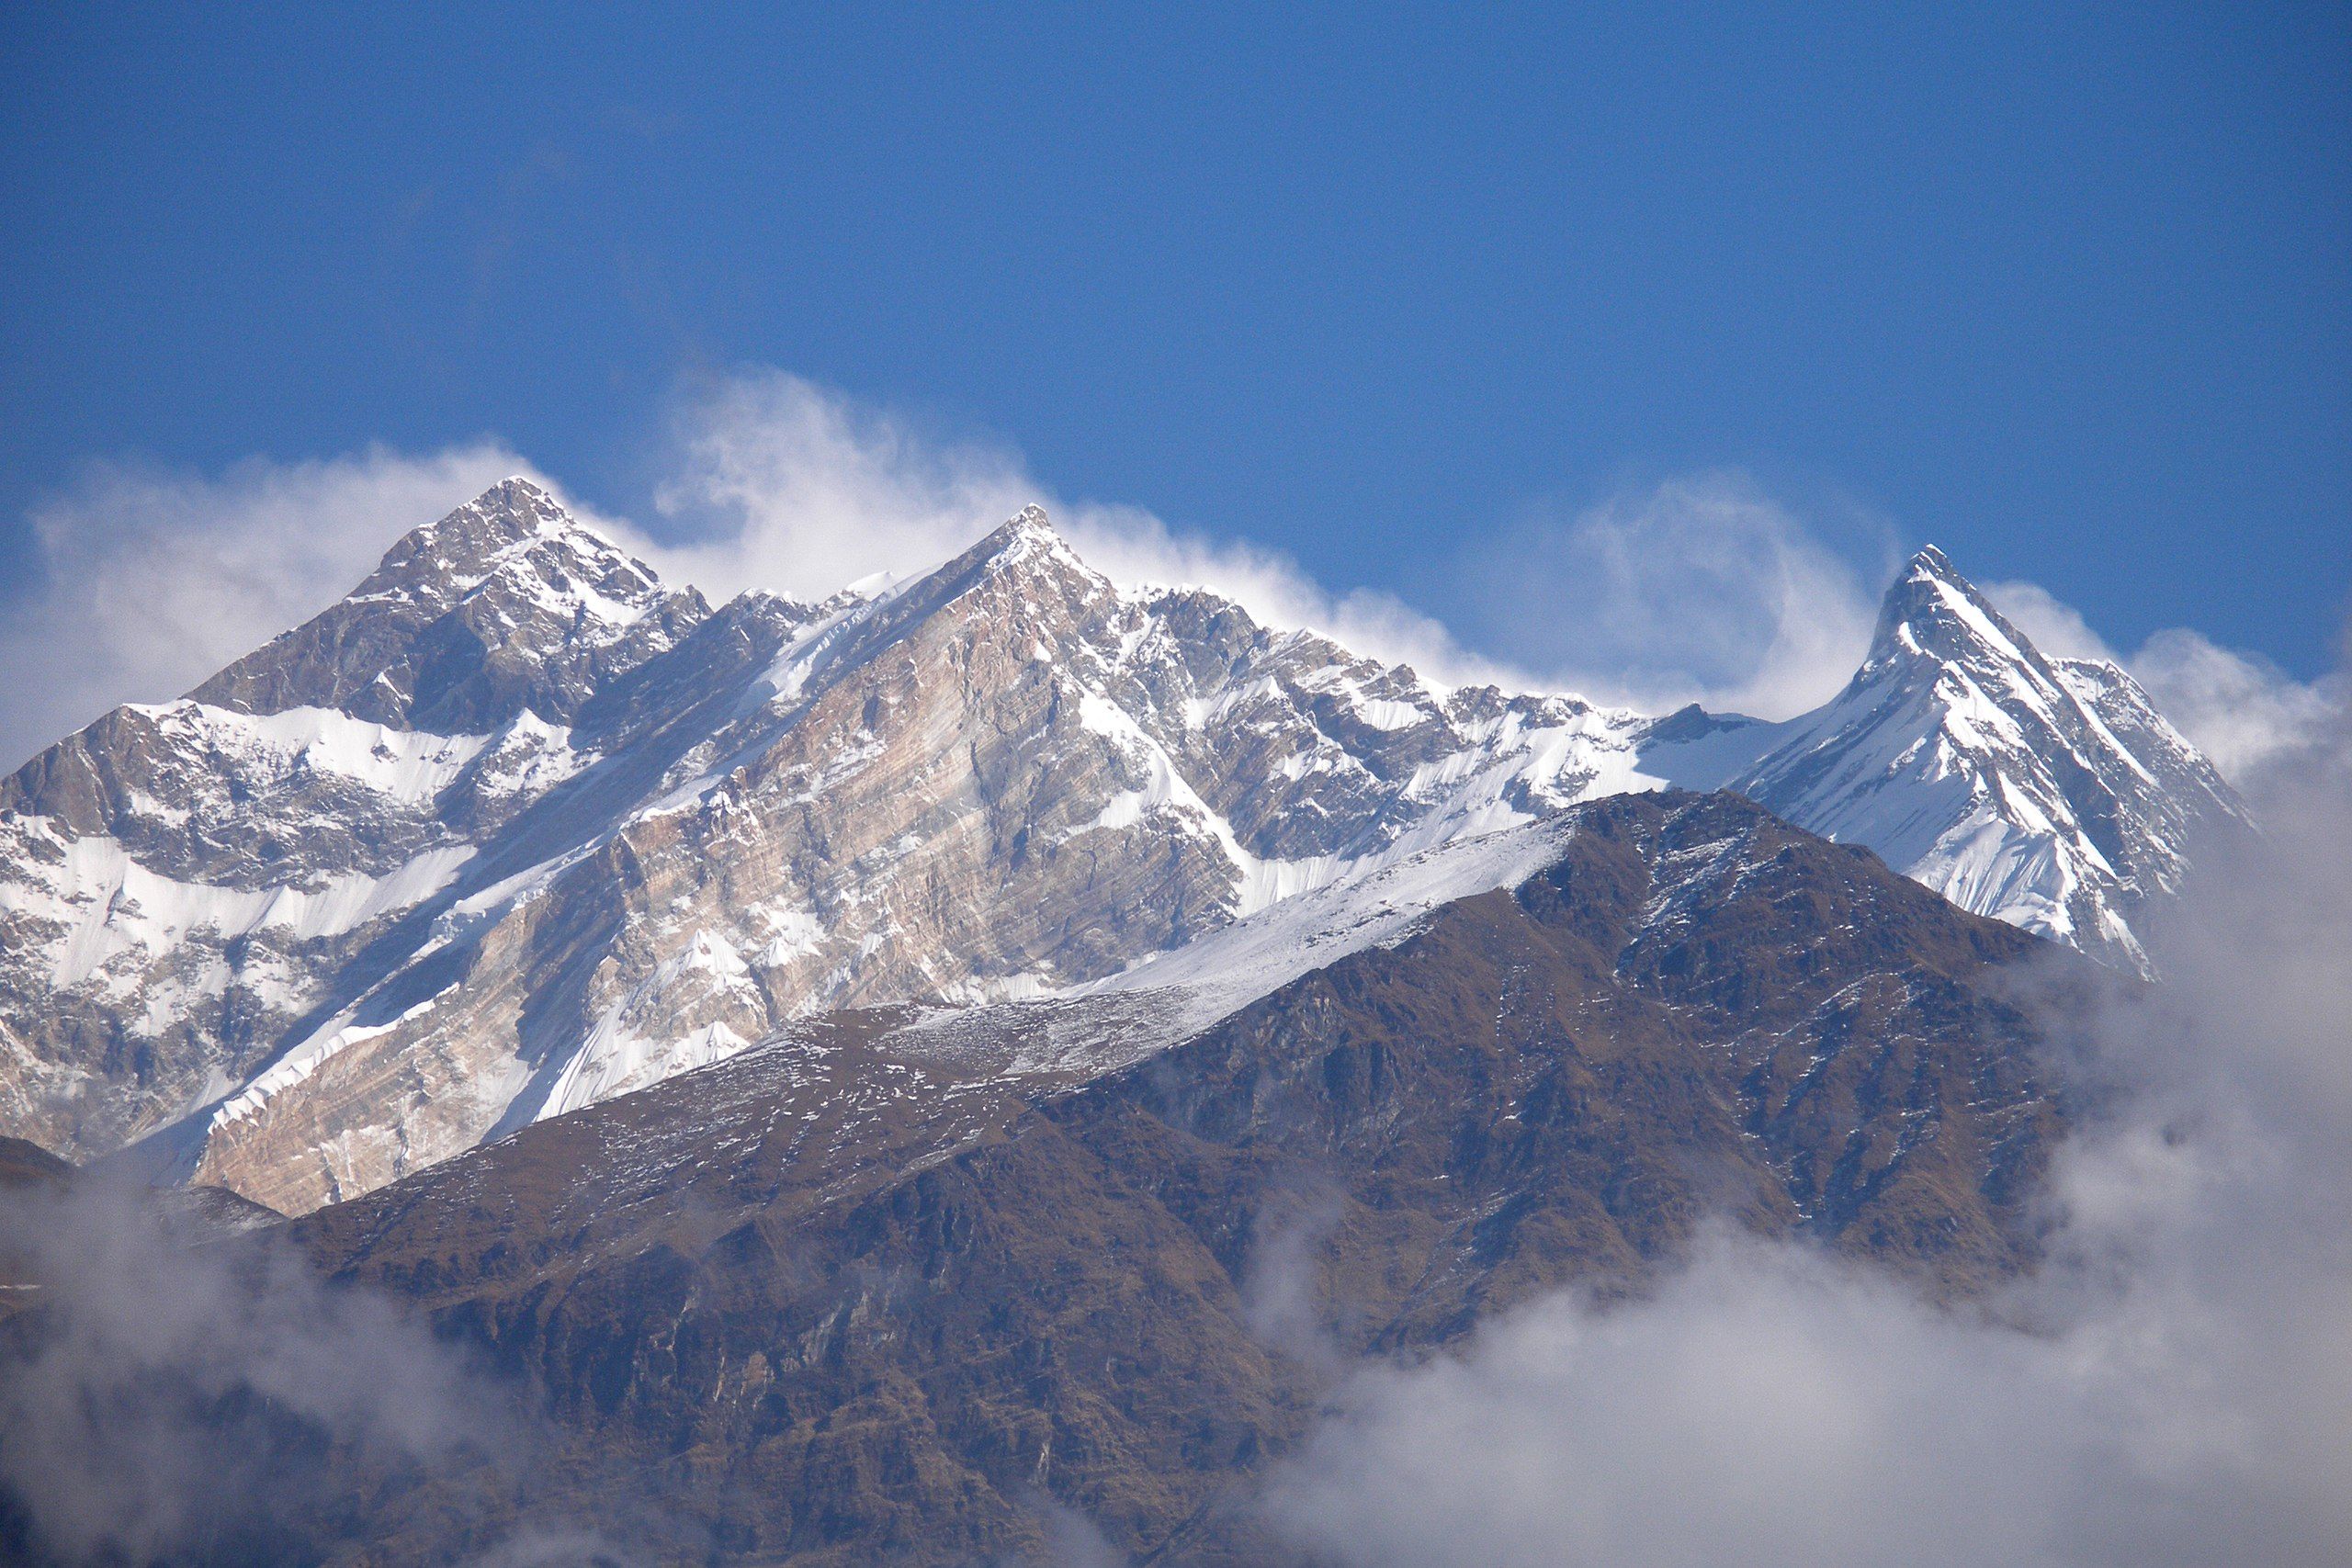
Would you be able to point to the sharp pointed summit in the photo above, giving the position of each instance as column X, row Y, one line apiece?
column 1931, row 610
column 515, row 526
column 1928, row 562
column 1028, row 536
column 1927, row 580
column 1030, row 521
column 506, row 514
column 2049, row 794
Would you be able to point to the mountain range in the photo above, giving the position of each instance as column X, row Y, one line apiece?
column 883, row 1079
column 515, row 829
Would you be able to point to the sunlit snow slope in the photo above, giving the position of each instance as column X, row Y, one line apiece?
column 2046, row 792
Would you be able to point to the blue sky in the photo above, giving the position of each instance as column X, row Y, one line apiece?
column 2066, row 289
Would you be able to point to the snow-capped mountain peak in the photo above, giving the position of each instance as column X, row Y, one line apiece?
column 1049, row 583
column 1029, row 526
column 507, row 604
column 515, row 827
column 2050, row 794
column 444, row 560
column 1933, row 612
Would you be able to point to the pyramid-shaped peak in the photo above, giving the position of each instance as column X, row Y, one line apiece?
column 514, row 488
column 460, row 549
column 1027, row 536
column 1025, row 550
column 1029, row 523
column 1932, row 610
column 1927, row 561
column 514, row 506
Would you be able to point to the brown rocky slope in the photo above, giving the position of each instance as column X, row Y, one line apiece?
column 852, row 1297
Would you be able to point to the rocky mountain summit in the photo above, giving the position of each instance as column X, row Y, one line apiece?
column 514, row 829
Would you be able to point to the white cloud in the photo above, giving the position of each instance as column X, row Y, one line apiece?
column 1766, row 1408
column 157, row 578
column 2169, row 1390
column 1700, row 589
column 1133, row 547
column 785, row 486
column 183, row 1391
column 2244, row 712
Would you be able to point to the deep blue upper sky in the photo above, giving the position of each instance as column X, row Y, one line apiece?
column 2066, row 290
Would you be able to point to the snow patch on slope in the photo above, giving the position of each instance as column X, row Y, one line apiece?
column 109, row 903
column 1379, row 907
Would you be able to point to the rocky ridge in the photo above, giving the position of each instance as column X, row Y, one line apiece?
column 515, row 829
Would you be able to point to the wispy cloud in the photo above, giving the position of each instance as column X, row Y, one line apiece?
column 162, row 1393
column 2241, row 710
column 171, row 1394
column 781, row 484
column 1699, row 588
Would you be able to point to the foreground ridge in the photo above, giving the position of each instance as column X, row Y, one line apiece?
column 888, row 1279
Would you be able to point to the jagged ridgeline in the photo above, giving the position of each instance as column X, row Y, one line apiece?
column 515, row 829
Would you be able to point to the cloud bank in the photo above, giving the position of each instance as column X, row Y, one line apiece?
column 2169, row 1390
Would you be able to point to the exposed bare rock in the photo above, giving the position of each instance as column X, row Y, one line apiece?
column 514, row 829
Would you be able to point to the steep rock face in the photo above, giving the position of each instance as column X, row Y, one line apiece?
column 514, row 829
column 875, row 1292
column 182, row 884
column 1000, row 779
column 2046, row 792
